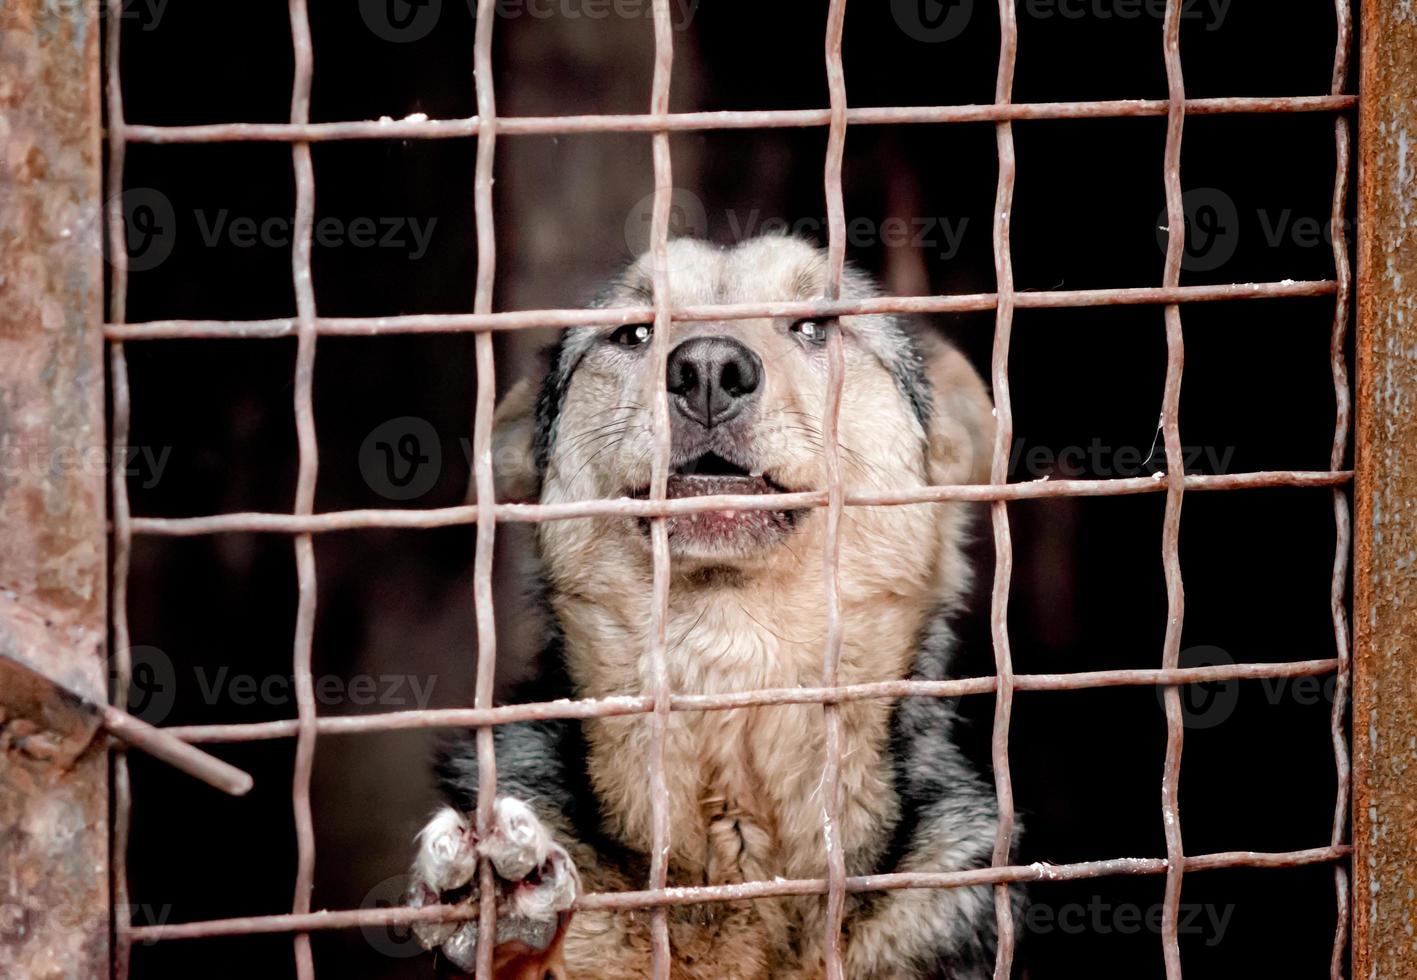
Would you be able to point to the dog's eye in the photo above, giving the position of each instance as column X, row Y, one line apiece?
column 632, row 335
column 812, row 331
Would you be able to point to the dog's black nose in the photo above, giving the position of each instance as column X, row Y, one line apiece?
column 712, row 379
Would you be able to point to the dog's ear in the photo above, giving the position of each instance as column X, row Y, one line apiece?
column 513, row 443
column 962, row 416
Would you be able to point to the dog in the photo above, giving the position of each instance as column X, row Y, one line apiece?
column 747, row 610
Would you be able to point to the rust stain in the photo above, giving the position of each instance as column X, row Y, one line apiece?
column 1385, row 576
column 54, row 904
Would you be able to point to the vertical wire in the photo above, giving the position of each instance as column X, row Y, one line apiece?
column 1175, row 485
column 483, row 474
column 1342, row 523
column 659, row 476
column 305, row 484
column 999, row 474
column 831, row 450
column 122, row 514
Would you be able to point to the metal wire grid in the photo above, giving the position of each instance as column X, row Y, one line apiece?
column 307, row 325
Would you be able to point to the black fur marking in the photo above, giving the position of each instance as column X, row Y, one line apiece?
column 908, row 370
column 561, row 364
column 937, row 785
column 549, row 401
column 543, row 763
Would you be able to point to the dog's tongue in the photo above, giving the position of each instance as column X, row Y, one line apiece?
column 700, row 485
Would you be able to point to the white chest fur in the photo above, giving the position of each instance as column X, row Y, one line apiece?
column 745, row 785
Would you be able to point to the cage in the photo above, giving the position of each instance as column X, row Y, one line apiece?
column 447, row 183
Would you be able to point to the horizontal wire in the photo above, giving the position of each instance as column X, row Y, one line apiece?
column 615, row 316
column 625, row 901
column 366, row 326
column 425, row 518
column 418, row 128
column 632, row 705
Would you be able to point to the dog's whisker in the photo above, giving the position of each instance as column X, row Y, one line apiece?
column 812, row 642
column 597, row 454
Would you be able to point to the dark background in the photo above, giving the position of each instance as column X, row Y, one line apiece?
column 396, row 607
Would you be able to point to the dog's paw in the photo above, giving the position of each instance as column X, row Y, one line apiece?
column 535, row 880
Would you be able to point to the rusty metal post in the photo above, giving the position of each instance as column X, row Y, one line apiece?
column 54, row 887
column 1385, row 567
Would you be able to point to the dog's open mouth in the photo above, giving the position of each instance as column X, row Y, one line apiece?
column 712, row 475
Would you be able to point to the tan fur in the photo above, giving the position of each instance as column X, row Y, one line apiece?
column 745, row 786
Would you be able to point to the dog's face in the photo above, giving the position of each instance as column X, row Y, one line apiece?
column 746, row 402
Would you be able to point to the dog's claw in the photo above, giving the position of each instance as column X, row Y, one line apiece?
column 461, row 949
column 518, row 843
column 447, row 852
column 536, row 881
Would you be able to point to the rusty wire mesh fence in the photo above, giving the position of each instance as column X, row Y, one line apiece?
column 659, row 700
